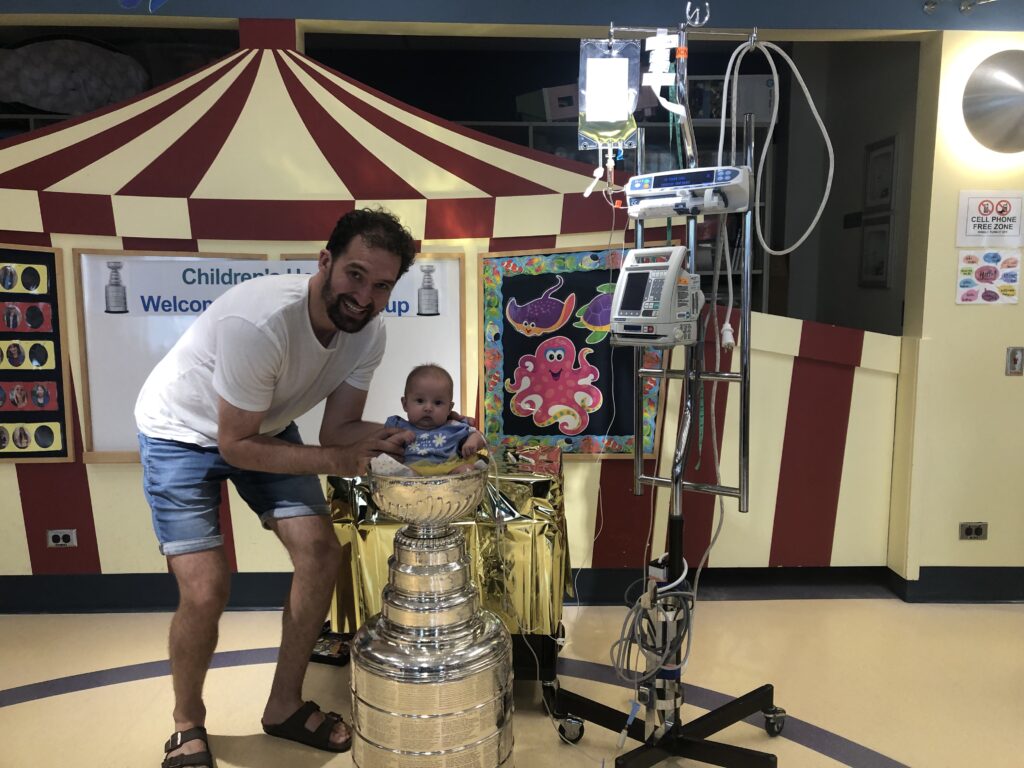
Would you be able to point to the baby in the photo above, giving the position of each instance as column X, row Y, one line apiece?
column 441, row 444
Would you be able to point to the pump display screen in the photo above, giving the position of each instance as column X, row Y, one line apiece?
column 633, row 294
column 684, row 179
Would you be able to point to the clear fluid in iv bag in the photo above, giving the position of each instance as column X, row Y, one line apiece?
column 607, row 133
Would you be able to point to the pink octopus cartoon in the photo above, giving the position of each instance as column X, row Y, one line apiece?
column 550, row 388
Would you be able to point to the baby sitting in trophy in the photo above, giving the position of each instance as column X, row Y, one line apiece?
column 442, row 445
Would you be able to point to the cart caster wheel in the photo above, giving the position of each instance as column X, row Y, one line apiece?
column 774, row 721
column 571, row 730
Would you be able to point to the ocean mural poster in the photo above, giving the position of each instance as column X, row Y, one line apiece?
column 550, row 374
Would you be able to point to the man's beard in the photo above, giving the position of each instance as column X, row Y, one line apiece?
column 336, row 312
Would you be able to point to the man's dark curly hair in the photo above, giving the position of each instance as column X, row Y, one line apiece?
column 380, row 229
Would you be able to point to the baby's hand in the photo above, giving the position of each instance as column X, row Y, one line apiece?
column 473, row 443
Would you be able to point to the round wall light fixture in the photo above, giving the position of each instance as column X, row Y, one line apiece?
column 994, row 102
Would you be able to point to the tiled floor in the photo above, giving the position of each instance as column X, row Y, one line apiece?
column 867, row 683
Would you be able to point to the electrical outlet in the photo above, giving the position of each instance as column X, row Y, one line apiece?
column 62, row 537
column 1015, row 361
column 973, row 531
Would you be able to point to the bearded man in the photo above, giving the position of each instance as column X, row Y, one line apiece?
column 221, row 406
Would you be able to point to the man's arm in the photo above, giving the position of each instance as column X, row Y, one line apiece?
column 343, row 417
column 242, row 446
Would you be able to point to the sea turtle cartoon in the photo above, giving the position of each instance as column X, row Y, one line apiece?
column 597, row 314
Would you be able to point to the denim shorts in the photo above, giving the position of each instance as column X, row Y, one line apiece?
column 182, row 483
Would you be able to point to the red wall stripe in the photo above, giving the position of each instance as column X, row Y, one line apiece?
column 178, row 170
column 267, row 33
column 468, row 217
column 366, row 176
column 656, row 235
column 813, row 449
column 492, row 179
column 51, row 168
column 624, row 519
column 57, row 496
column 13, row 237
column 159, row 244
column 591, row 214
column 699, row 508
column 831, row 344
column 266, row 219
column 77, row 214
column 501, row 244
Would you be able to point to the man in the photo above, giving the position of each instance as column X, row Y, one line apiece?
column 220, row 406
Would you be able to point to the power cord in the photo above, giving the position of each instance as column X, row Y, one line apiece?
column 732, row 79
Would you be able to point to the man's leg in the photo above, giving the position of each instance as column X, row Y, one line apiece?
column 203, row 584
column 316, row 555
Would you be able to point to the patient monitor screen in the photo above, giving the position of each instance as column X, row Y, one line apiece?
column 633, row 295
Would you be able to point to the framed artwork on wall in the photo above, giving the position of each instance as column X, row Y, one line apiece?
column 35, row 384
column 549, row 373
column 880, row 175
column 876, row 252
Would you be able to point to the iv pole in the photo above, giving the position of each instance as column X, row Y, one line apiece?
column 667, row 736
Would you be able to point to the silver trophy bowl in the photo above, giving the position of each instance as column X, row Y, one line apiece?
column 428, row 503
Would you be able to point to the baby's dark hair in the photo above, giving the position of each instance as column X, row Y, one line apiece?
column 380, row 229
column 429, row 368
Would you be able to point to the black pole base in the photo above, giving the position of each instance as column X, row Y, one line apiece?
column 686, row 740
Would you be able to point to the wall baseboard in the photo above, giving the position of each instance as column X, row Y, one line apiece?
column 607, row 586
column 951, row 584
column 114, row 593
column 96, row 593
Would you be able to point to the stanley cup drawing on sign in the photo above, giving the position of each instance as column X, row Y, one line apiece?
column 426, row 297
column 114, row 293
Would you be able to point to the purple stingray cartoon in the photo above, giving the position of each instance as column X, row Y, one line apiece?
column 542, row 315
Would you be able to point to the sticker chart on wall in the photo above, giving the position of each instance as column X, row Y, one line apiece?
column 550, row 374
column 33, row 372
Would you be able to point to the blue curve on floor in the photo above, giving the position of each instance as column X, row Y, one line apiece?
column 805, row 734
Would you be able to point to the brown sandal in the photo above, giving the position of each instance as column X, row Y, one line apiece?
column 203, row 759
column 294, row 729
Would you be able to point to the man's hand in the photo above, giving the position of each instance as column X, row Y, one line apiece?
column 472, row 444
column 354, row 459
column 456, row 416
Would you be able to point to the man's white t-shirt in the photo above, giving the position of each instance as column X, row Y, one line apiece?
column 255, row 347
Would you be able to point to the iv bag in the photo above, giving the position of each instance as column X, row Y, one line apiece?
column 609, row 84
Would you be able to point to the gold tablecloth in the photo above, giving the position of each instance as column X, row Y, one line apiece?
column 516, row 540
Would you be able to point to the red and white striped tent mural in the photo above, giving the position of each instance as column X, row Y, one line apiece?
column 267, row 144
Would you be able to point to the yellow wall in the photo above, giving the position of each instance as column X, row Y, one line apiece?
column 960, row 421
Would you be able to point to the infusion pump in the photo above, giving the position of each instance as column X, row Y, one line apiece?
column 657, row 302
column 689, row 192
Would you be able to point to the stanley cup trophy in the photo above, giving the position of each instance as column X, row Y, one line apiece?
column 432, row 673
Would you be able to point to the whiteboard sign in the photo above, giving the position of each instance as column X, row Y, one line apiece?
column 135, row 307
column 990, row 218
